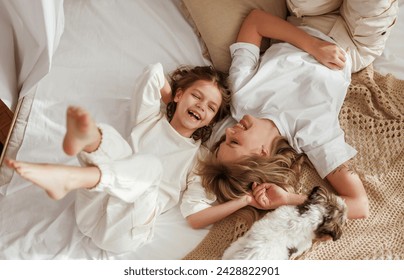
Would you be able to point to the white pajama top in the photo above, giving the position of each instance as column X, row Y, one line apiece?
column 153, row 134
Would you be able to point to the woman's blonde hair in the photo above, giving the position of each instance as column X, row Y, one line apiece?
column 232, row 180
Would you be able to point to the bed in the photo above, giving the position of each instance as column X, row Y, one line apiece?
column 103, row 48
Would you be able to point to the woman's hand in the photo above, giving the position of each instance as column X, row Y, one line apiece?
column 268, row 196
column 328, row 54
column 251, row 201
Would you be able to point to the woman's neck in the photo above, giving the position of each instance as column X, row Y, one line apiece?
column 272, row 133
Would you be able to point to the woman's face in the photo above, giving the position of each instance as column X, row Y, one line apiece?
column 249, row 136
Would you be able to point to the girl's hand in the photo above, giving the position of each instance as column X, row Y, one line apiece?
column 268, row 196
column 329, row 54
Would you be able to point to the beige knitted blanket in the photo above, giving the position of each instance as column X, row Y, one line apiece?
column 373, row 119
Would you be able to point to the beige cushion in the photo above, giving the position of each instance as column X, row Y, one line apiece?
column 301, row 8
column 219, row 21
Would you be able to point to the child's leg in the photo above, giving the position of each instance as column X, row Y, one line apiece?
column 111, row 147
column 94, row 144
column 119, row 213
column 57, row 180
column 126, row 178
column 82, row 133
column 129, row 178
column 114, row 225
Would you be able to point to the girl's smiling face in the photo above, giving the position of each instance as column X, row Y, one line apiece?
column 196, row 107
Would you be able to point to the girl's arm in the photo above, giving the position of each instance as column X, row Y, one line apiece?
column 264, row 196
column 259, row 24
column 215, row 213
column 350, row 187
column 165, row 92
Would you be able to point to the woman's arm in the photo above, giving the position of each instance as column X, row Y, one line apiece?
column 350, row 187
column 259, row 24
column 346, row 183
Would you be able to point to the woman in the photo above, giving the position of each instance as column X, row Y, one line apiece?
column 285, row 95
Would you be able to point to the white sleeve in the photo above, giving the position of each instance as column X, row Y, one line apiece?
column 331, row 154
column 146, row 96
column 245, row 61
column 195, row 198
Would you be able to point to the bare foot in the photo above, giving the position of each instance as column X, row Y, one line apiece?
column 82, row 133
column 56, row 180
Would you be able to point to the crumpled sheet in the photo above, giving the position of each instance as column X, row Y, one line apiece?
column 30, row 32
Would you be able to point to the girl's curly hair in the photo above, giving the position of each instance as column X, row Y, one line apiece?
column 184, row 77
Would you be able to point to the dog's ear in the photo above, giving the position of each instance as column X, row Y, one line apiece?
column 317, row 195
column 313, row 193
column 329, row 227
column 311, row 199
column 334, row 219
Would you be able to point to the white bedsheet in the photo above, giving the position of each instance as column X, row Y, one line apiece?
column 104, row 48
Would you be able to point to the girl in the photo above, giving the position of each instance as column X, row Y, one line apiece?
column 300, row 117
column 122, row 188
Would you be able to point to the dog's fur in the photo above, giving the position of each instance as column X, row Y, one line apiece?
column 289, row 231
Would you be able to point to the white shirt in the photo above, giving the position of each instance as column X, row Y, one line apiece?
column 153, row 134
column 301, row 96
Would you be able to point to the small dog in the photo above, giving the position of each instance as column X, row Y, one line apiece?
column 289, row 231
